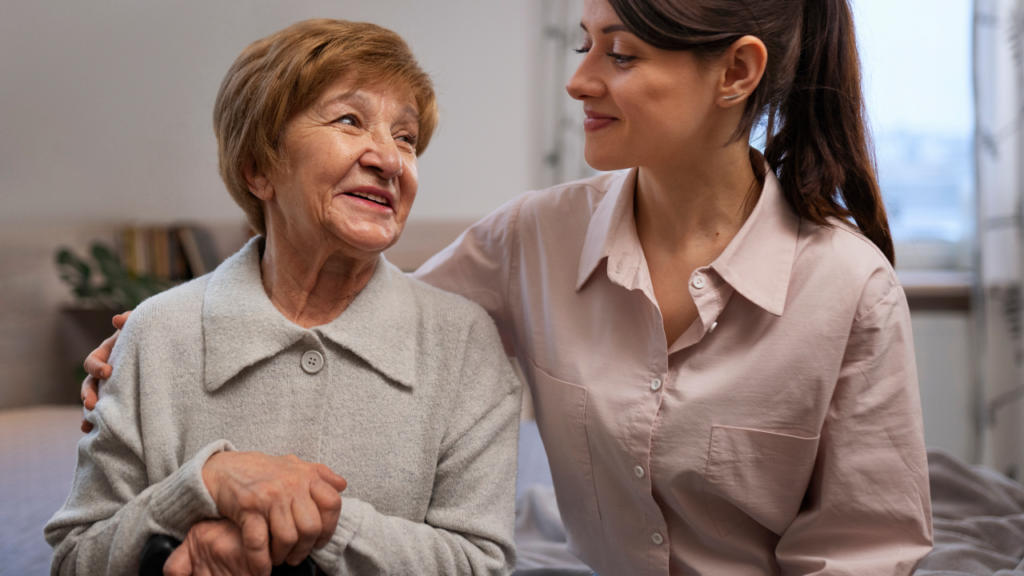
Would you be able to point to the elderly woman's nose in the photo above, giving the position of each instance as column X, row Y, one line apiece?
column 383, row 156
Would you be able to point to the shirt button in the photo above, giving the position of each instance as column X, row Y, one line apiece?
column 656, row 384
column 656, row 538
column 639, row 471
column 312, row 362
column 699, row 282
column 713, row 326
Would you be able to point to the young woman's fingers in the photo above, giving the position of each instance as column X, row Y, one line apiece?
column 179, row 563
column 96, row 363
column 86, row 425
column 119, row 320
column 307, row 523
column 283, row 532
column 89, row 395
column 90, row 391
column 328, row 501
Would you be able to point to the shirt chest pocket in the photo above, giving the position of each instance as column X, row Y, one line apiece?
column 561, row 410
column 756, row 475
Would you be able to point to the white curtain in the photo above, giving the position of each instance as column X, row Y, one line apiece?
column 999, row 93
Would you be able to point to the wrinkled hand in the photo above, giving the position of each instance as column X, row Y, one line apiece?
column 292, row 503
column 98, row 369
column 214, row 548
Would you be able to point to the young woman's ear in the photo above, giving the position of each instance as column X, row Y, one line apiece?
column 743, row 66
column 258, row 183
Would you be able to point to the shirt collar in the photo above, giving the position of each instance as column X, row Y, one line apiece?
column 757, row 263
column 759, row 260
column 608, row 233
column 241, row 326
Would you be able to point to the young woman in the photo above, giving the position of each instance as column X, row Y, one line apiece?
column 718, row 348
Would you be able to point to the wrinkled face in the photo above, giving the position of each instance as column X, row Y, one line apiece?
column 350, row 162
column 642, row 104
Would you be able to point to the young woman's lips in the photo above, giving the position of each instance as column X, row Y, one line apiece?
column 594, row 122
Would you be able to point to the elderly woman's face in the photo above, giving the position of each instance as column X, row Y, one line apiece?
column 351, row 166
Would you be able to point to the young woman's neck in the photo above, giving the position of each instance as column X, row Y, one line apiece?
column 695, row 200
column 308, row 281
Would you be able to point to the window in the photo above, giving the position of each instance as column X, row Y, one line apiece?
column 916, row 59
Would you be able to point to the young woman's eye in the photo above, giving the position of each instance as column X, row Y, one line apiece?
column 348, row 119
column 581, row 49
column 621, row 58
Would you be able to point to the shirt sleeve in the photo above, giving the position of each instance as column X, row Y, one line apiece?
column 868, row 508
column 468, row 527
column 478, row 266
column 113, row 508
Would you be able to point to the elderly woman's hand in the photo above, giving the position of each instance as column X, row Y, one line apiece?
column 295, row 504
column 215, row 548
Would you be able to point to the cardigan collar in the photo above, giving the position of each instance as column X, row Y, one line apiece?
column 241, row 326
column 757, row 263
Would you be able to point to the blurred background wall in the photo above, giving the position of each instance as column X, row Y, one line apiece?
column 105, row 121
column 105, row 106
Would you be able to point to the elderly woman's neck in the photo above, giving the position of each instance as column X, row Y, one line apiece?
column 312, row 285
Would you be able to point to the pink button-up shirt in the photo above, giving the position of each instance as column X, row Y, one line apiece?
column 780, row 434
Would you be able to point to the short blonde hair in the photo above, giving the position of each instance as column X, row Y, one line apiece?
column 278, row 76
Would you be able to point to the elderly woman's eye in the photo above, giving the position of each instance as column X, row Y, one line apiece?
column 408, row 138
column 349, row 119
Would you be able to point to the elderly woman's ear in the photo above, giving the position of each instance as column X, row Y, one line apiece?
column 257, row 181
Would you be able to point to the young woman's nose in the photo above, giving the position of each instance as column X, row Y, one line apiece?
column 586, row 82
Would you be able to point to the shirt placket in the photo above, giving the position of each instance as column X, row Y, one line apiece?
column 709, row 294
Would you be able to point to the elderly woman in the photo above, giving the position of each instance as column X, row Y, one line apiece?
column 402, row 389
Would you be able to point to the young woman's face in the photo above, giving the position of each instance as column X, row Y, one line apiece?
column 643, row 105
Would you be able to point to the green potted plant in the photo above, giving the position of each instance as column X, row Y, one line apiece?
column 103, row 287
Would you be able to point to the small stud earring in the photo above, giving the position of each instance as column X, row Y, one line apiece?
column 733, row 97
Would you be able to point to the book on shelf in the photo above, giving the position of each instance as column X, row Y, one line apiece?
column 173, row 253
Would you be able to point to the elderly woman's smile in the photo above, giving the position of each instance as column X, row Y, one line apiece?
column 350, row 169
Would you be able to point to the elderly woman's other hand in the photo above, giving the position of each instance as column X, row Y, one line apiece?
column 296, row 504
column 215, row 548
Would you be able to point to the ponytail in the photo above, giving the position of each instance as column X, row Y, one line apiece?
column 817, row 140
column 820, row 151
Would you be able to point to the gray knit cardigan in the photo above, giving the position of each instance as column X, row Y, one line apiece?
column 415, row 404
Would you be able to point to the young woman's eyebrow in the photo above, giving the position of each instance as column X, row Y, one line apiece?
column 607, row 29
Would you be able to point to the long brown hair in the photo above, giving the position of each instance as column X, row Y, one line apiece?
column 810, row 97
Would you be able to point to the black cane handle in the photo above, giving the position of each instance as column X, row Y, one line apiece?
column 159, row 548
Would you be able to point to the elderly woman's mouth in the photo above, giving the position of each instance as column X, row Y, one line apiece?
column 375, row 196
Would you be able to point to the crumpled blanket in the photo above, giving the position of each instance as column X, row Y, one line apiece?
column 540, row 537
column 978, row 516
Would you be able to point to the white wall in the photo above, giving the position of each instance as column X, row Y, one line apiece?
column 105, row 106
column 942, row 346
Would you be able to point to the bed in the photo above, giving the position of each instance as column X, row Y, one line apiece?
column 978, row 513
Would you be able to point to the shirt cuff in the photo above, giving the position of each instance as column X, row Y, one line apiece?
column 182, row 498
column 353, row 512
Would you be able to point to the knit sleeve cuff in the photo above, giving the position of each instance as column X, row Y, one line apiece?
column 353, row 513
column 182, row 498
